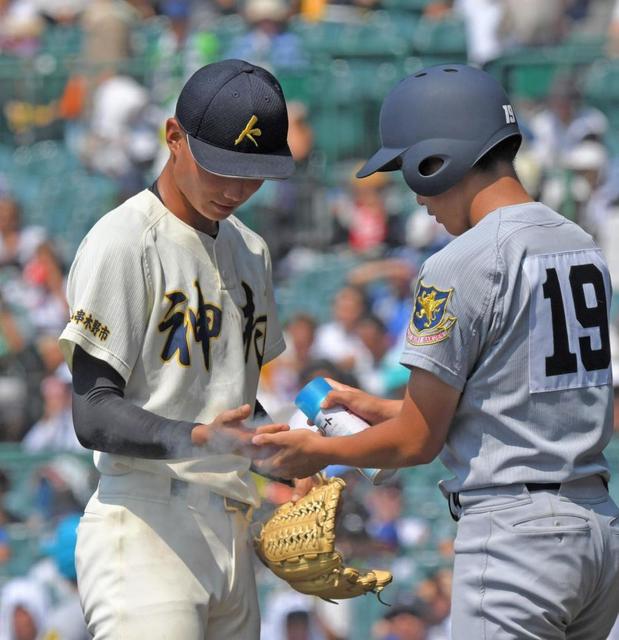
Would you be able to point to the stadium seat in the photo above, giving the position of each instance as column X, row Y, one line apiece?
column 417, row 6
column 601, row 83
column 312, row 290
column 528, row 73
column 25, row 550
column 62, row 40
column 56, row 192
column 319, row 38
column 228, row 28
column 440, row 38
column 146, row 36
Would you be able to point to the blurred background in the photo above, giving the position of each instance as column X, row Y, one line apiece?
column 85, row 87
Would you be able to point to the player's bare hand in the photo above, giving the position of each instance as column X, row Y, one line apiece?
column 229, row 433
column 203, row 433
column 370, row 408
column 271, row 428
column 302, row 487
column 295, row 454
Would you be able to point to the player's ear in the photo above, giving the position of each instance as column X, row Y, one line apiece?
column 174, row 134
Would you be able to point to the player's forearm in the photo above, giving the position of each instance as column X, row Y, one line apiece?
column 388, row 445
column 388, row 409
column 105, row 421
column 113, row 425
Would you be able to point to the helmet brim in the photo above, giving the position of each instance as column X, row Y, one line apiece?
column 382, row 160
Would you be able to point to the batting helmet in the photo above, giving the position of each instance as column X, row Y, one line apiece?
column 453, row 112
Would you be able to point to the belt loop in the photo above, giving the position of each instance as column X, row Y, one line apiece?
column 455, row 508
column 232, row 505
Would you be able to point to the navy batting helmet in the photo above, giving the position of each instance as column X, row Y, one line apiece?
column 452, row 112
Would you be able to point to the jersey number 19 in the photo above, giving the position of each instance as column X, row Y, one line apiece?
column 569, row 345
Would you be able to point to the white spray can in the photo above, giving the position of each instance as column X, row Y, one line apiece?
column 336, row 421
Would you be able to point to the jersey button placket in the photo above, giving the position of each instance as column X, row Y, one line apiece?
column 225, row 271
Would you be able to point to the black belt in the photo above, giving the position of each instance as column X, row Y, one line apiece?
column 543, row 486
column 553, row 486
column 454, row 498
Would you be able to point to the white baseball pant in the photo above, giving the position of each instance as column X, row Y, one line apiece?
column 164, row 560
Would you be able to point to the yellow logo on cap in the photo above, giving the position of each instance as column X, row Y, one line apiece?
column 249, row 132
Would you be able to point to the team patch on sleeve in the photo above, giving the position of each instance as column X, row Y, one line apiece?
column 90, row 323
column 430, row 321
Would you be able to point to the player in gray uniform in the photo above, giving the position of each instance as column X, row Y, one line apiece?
column 508, row 346
column 172, row 317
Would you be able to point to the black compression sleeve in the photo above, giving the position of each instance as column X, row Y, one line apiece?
column 105, row 421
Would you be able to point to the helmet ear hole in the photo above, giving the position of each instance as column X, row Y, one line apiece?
column 430, row 165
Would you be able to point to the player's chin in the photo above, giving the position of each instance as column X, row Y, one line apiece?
column 217, row 211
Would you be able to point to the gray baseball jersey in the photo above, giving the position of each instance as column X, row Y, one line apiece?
column 186, row 319
column 514, row 313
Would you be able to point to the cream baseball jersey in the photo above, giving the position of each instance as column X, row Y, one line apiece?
column 514, row 313
column 186, row 319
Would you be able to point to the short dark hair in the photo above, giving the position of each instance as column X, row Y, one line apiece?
column 305, row 318
column 502, row 153
column 374, row 320
column 298, row 615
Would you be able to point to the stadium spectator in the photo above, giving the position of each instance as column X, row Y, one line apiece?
column 360, row 210
column 54, row 431
column 435, row 591
column 106, row 32
column 18, row 242
column 439, row 10
column 283, row 212
column 268, row 42
column 65, row 620
column 21, row 27
column 383, row 373
column 337, row 339
column 612, row 46
column 122, row 137
column 388, row 285
column 384, row 505
column 224, row 8
column 405, row 620
column 44, row 293
column 61, row 12
column 290, row 616
column 24, row 607
column 564, row 122
column 13, row 378
column 6, row 518
column 527, row 23
column 280, row 378
column 574, row 187
column 482, row 19
column 178, row 12
column 61, row 487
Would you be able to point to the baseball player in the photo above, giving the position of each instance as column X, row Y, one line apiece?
column 508, row 346
column 172, row 317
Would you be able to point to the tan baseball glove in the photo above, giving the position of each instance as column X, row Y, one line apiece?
column 298, row 544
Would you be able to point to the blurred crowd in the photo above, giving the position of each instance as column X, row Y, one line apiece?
column 345, row 253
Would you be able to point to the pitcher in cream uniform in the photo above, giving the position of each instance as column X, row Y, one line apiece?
column 172, row 317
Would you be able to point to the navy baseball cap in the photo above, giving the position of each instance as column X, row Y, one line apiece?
column 235, row 117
